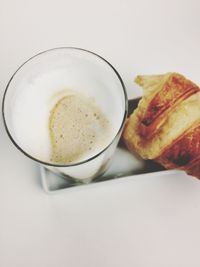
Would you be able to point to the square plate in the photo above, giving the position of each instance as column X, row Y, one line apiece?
column 124, row 164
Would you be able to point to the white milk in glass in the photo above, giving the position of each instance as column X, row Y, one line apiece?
column 40, row 83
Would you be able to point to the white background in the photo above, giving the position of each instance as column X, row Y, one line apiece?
column 147, row 221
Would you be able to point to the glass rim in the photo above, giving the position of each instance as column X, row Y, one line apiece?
column 83, row 161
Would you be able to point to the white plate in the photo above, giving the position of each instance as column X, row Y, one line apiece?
column 124, row 164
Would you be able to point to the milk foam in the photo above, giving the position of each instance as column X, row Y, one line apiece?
column 32, row 103
column 78, row 129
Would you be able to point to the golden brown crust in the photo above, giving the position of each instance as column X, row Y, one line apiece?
column 166, row 125
column 184, row 152
column 175, row 90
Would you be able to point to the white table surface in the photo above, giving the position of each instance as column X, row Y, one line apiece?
column 146, row 221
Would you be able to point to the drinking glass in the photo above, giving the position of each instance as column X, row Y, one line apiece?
column 65, row 67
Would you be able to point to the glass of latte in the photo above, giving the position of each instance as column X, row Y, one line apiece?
column 65, row 108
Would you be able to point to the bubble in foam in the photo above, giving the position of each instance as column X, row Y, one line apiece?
column 78, row 129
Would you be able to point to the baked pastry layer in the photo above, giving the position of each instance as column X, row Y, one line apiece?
column 167, row 118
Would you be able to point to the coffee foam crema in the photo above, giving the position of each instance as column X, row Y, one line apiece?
column 59, row 126
column 78, row 129
column 35, row 102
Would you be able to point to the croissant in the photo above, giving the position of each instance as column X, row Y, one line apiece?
column 165, row 127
